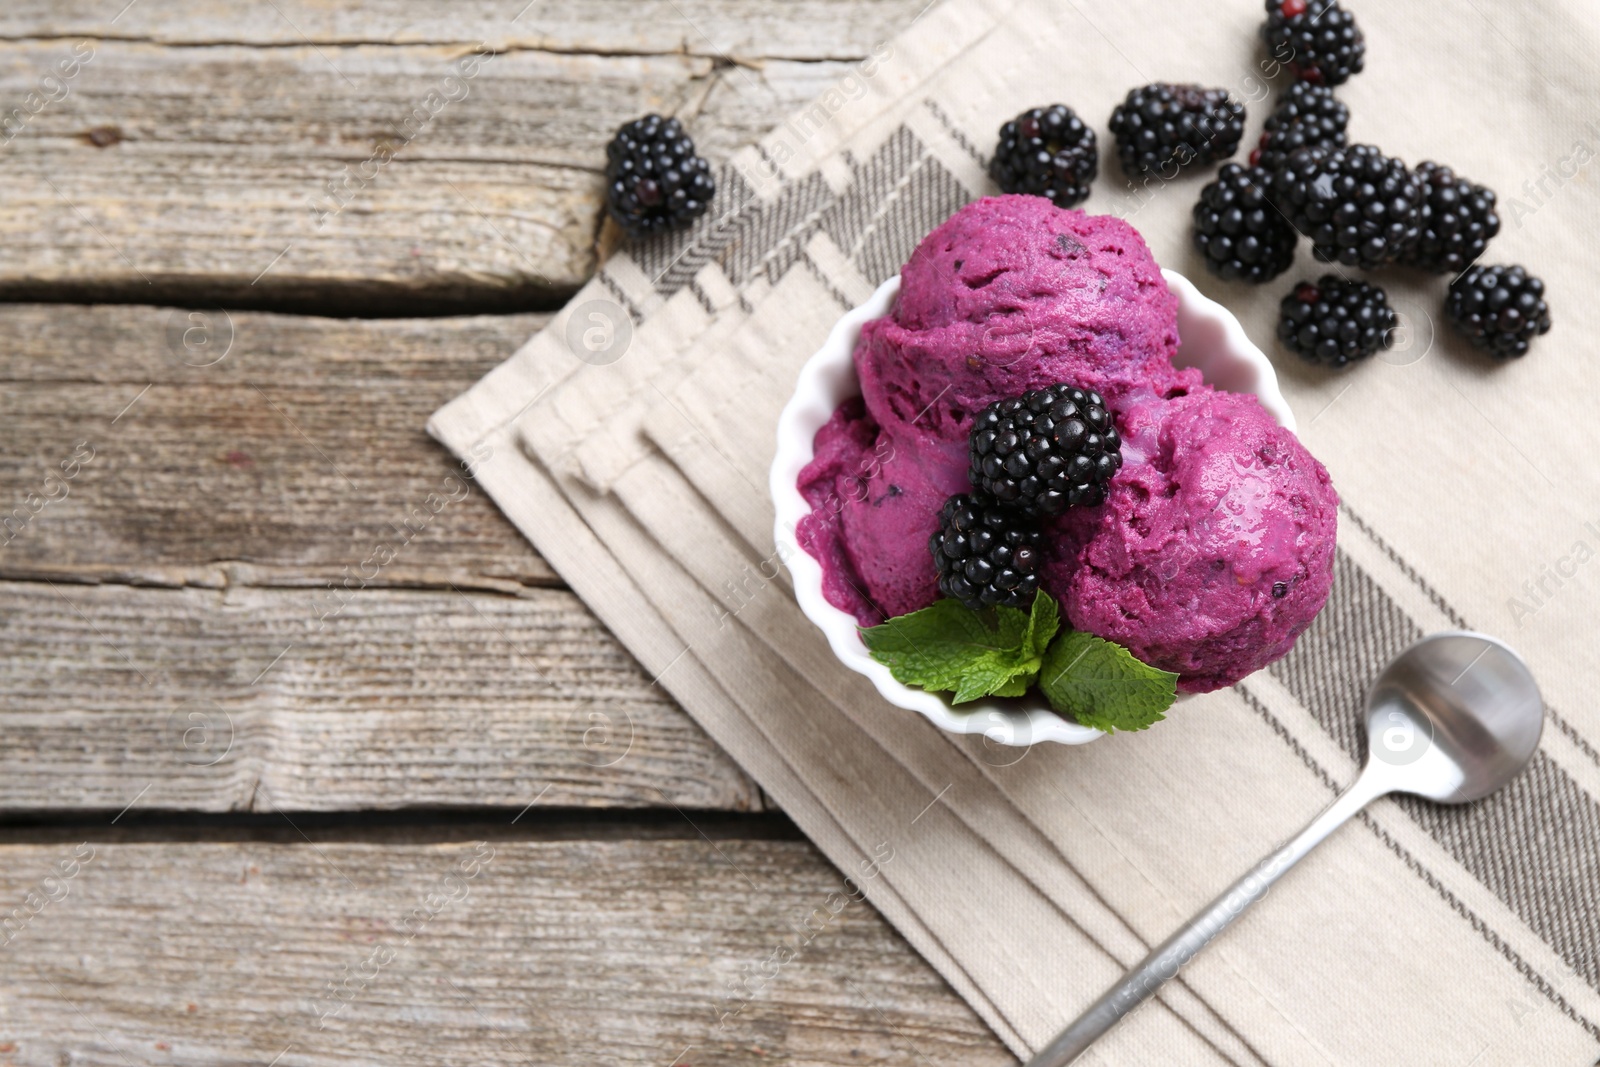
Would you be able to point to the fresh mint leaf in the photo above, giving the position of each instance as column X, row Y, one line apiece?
column 1016, row 687
column 1043, row 622
column 1101, row 684
column 951, row 648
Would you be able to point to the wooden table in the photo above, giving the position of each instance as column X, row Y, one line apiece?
column 265, row 801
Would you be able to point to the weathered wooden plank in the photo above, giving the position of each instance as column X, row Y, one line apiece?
column 288, row 453
column 242, row 699
column 316, row 177
column 463, row 953
column 259, row 449
column 746, row 29
column 356, row 177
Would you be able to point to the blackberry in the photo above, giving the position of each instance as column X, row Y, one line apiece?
column 986, row 554
column 1336, row 321
column 654, row 181
column 1359, row 206
column 1499, row 309
column 1236, row 228
column 1307, row 116
column 1046, row 450
column 1316, row 39
column 1458, row 218
column 1161, row 129
column 1048, row 152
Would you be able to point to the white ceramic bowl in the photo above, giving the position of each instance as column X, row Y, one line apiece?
column 1210, row 339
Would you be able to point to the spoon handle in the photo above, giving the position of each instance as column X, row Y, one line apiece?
column 1167, row 958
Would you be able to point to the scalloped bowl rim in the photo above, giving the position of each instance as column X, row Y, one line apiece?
column 828, row 378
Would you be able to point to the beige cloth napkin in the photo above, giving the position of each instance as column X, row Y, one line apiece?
column 630, row 442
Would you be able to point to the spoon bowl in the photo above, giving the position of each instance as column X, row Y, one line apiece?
column 1453, row 718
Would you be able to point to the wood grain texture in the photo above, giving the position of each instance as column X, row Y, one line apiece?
column 503, row 952
column 236, row 465
column 286, row 460
column 745, row 30
column 278, row 158
column 243, row 699
column 249, row 174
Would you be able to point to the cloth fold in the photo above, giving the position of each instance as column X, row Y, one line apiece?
column 630, row 442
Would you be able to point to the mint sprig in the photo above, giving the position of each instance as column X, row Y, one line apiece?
column 951, row 648
column 1102, row 684
column 1004, row 651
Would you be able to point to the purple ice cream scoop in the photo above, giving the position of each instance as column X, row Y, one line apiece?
column 1011, row 294
column 873, row 507
column 1213, row 555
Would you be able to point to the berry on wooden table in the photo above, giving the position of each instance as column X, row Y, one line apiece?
column 654, row 180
